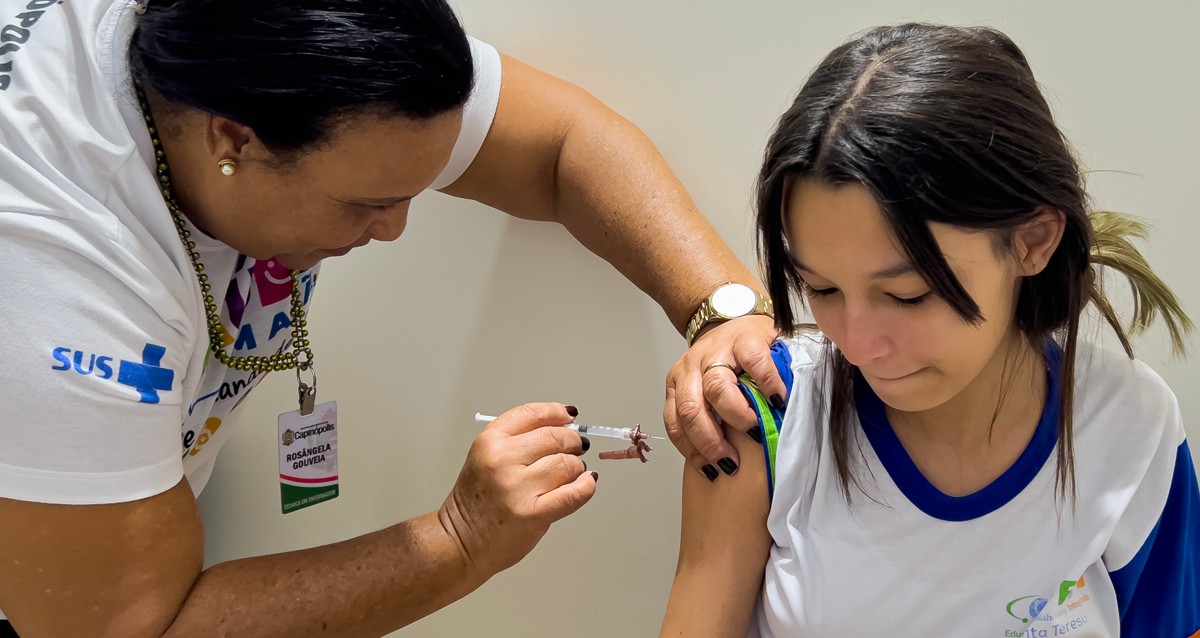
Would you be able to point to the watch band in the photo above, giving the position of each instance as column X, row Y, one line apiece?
column 701, row 318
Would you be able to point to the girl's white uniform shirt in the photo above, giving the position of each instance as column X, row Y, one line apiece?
column 908, row 560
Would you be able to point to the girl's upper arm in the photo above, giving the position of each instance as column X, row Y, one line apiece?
column 723, row 548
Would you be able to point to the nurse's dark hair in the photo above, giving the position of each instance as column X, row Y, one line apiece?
column 947, row 124
column 292, row 70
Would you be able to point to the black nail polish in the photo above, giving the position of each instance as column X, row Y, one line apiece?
column 777, row 402
column 710, row 472
column 727, row 465
column 755, row 433
column 596, row 476
column 585, row 466
column 587, row 445
column 573, row 411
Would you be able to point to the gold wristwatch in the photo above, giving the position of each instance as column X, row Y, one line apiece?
column 729, row 301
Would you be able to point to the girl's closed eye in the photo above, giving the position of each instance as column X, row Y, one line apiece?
column 909, row 302
column 810, row 291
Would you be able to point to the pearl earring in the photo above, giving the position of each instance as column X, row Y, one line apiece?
column 228, row 167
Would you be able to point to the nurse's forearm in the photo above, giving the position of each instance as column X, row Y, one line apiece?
column 366, row 586
column 556, row 153
column 619, row 198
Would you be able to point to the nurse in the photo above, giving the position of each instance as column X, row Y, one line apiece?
column 173, row 174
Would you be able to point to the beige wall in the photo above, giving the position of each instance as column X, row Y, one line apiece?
column 473, row 311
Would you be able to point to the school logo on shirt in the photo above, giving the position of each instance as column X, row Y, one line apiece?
column 1039, row 623
column 148, row 377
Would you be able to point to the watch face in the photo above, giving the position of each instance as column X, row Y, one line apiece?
column 734, row 300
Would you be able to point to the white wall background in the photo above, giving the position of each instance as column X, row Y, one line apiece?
column 473, row 311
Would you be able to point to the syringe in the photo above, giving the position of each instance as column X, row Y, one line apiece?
column 590, row 430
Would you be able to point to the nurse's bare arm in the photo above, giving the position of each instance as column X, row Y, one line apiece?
column 134, row 570
column 723, row 549
column 140, row 557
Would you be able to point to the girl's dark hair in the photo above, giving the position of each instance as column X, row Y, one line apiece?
column 292, row 70
column 947, row 124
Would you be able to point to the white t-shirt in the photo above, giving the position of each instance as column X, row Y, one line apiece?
column 909, row 560
column 109, row 392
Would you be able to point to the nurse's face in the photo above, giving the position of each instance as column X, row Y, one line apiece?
column 354, row 188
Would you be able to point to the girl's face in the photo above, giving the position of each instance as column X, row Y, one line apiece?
column 916, row 352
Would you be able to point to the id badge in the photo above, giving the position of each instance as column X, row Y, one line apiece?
column 308, row 470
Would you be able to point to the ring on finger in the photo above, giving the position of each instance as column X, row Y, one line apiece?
column 718, row 364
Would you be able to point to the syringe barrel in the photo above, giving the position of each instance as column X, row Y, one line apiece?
column 602, row 430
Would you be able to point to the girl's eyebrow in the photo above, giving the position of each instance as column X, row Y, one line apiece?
column 891, row 272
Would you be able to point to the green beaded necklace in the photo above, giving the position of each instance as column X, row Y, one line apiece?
column 301, row 356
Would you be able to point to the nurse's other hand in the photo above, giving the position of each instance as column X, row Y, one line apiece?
column 702, row 387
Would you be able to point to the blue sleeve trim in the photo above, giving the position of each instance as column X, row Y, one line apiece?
column 783, row 365
column 1158, row 592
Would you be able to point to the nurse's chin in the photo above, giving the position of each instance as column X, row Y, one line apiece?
column 301, row 261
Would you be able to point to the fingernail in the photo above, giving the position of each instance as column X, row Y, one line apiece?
column 727, row 465
column 585, row 466
column 596, row 476
column 777, row 402
column 587, row 445
column 573, row 411
column 755, row 433
column 710, row 472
